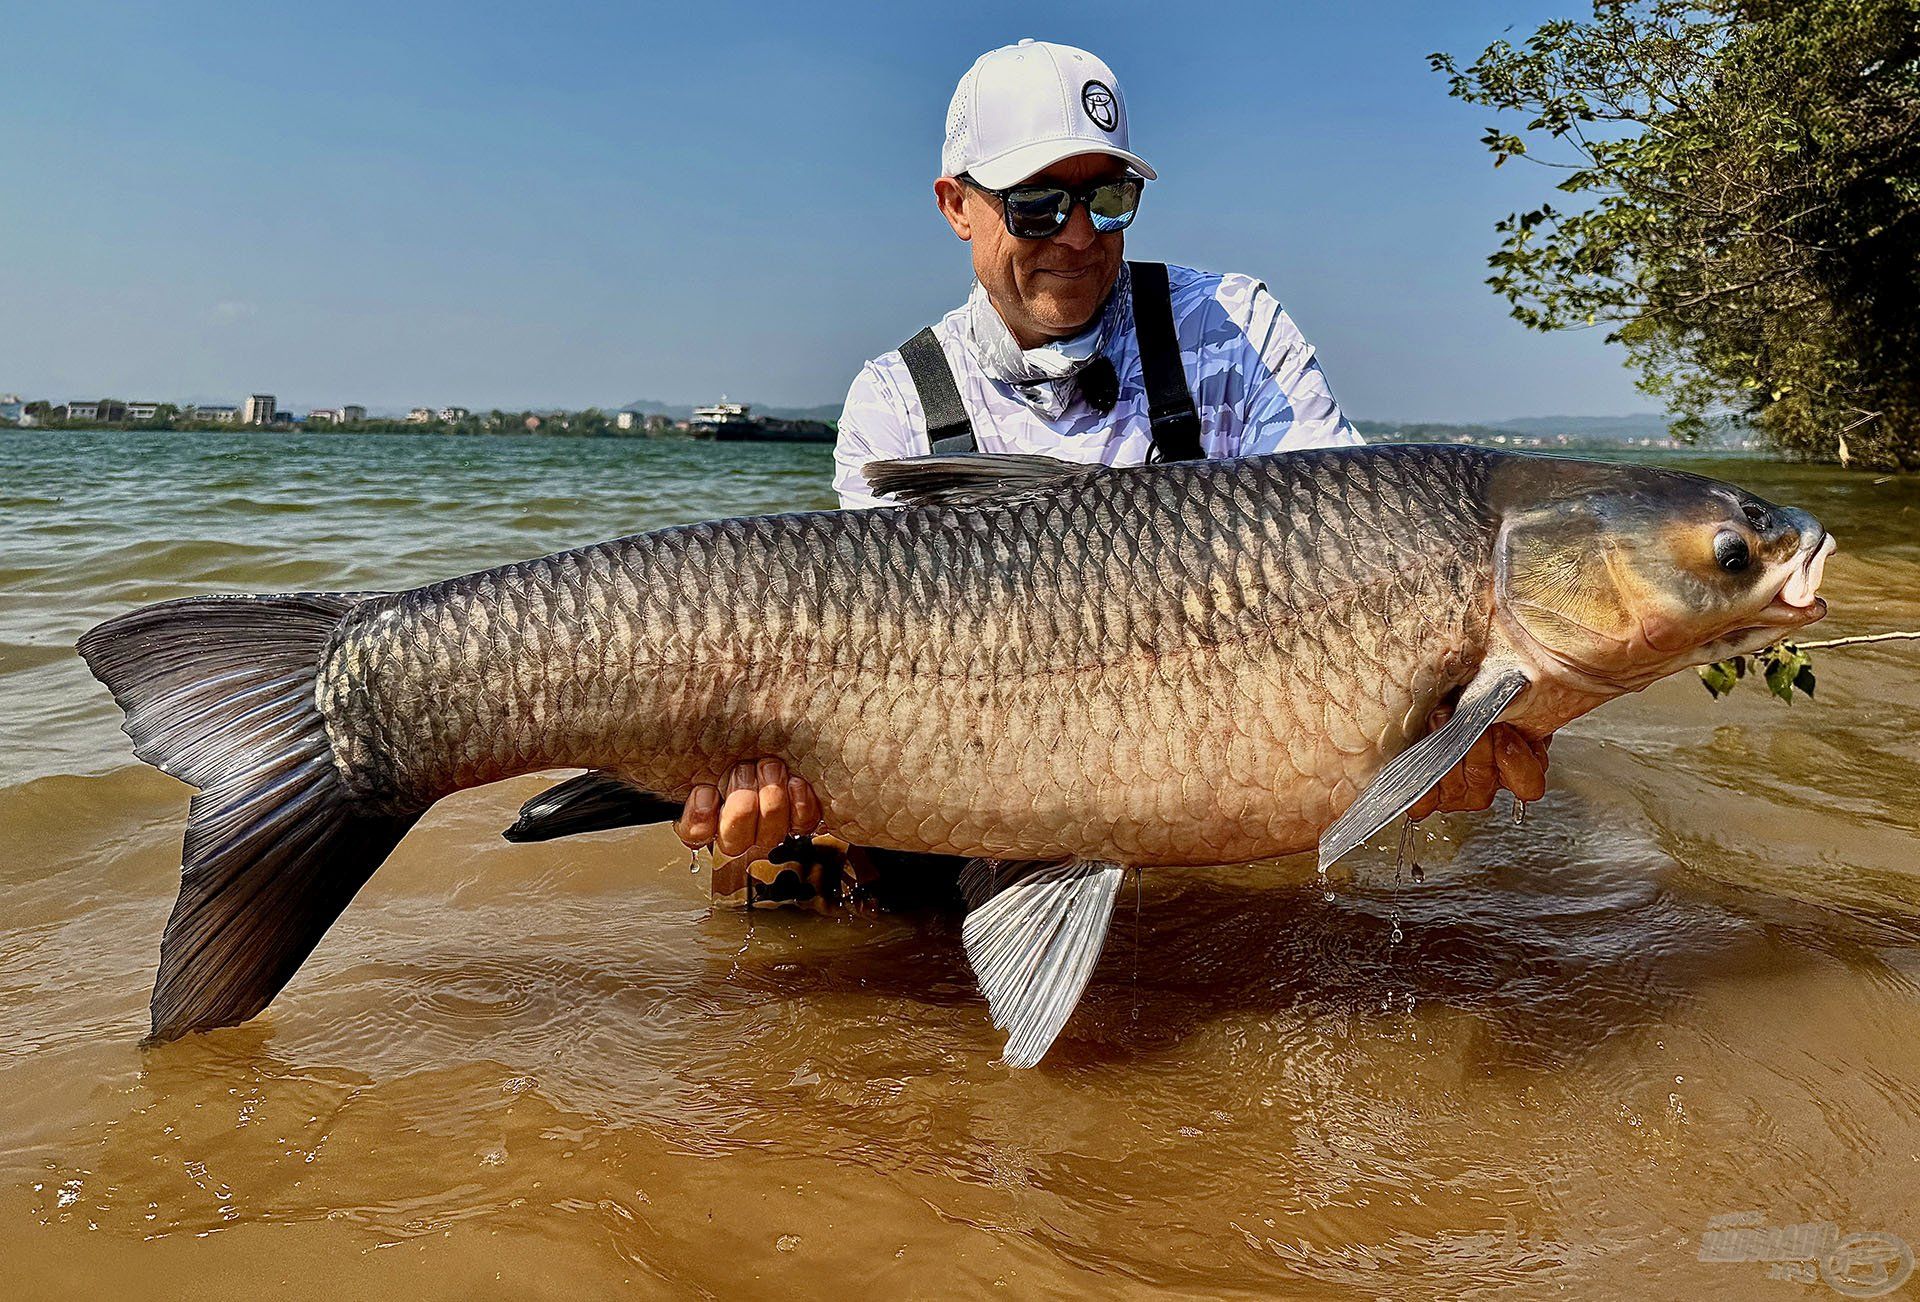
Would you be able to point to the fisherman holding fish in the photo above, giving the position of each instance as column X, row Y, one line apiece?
column 1065, row 349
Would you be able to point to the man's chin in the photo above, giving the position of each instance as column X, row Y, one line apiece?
column 1066, row 314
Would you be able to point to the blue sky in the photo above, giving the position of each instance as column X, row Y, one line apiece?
column 568, row 204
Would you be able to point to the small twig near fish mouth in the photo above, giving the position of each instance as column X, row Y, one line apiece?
column 1785, row 665
column 1905, row 635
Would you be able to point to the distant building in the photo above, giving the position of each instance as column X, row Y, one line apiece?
column 216, row 414
column 420, row 416
column 323, row 416
column 259, row 409
column 283, row 418
column 12, row 410
column 105, row 409
column 351, row 413
column 448, row 415
column 142, row 410
column 625, row 419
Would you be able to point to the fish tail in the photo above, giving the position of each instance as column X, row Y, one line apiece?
column 220, row 692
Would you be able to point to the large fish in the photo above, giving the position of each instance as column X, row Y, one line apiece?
column 1058, row 669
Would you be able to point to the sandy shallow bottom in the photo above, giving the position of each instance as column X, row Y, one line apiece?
column 1685, row 988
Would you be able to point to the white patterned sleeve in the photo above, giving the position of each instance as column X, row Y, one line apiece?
column 874, row 426
column 1289, row 404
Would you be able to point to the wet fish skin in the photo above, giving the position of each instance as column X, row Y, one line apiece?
column 1190, row 664
column 1037, row 661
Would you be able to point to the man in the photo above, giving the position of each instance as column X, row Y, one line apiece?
column 1064, row 348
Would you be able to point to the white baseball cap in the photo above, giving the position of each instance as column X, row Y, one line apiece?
column 1022, row 108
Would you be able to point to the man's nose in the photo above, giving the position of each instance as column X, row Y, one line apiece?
column 1078, row 233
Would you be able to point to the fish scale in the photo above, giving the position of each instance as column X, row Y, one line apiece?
column 1098, row 652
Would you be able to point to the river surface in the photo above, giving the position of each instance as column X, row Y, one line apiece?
column 1667, row 1019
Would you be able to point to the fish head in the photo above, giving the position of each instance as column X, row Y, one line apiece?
column 1620, row 575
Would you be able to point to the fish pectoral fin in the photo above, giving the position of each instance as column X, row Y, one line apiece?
column 598, row 801
column 1414, row 771
column 972, row 478
column 1034, row 945
column 982, row 879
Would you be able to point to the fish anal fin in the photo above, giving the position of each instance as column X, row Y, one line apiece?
column 1413, row 772
column 982, row 879
column 1034, row 945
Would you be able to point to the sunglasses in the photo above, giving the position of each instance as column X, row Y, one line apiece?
column 1037, row 212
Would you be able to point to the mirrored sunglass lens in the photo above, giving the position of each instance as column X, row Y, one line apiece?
column 1037, row 212
column 1112, row 206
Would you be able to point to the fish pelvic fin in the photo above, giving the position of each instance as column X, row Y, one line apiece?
column 1414, row 771
column 1034, row 945
column 220, row 692
column 599, row 801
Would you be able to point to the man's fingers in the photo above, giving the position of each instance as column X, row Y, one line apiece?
column 775, row 811
column 744, row 776
column 1522, row 771
column 1471, row 783
column 699, row 820
column 739, row 820
column 806, row 805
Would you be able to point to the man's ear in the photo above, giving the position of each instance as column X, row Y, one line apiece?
column 950, row 197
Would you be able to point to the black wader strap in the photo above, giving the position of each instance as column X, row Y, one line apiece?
column 1176, row 424
column 948, row 429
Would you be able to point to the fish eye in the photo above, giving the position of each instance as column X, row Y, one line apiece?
column 1731, row 552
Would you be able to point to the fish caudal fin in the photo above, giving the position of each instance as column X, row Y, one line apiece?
column 220, row 692
column 1413, row 772
column 1034, row 944
column 592, row 802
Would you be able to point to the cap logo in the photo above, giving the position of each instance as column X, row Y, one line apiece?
column 1100, row 105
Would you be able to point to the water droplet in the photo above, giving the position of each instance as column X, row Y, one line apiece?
column 1401, row 855
column 1519, row 811
column 787, row 1242
column 1419, row 873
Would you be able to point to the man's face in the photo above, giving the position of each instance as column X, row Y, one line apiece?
column 1043, row 289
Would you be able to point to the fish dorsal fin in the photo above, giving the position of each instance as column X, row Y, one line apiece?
column 1413, row 772
column 973, row 478
column 1033, row 948
column 598, row 801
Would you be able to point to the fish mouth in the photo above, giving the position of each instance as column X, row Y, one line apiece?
column 1797, row 601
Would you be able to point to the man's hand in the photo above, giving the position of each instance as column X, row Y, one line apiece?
column 756, row 807
column 1502, row 757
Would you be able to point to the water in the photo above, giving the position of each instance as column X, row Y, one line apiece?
column 1685, row 987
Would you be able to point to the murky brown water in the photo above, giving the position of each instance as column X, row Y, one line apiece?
column 1687, row 987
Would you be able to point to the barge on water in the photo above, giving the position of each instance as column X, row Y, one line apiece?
column 733, row 422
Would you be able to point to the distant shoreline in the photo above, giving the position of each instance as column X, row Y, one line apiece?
column 1472, row 436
